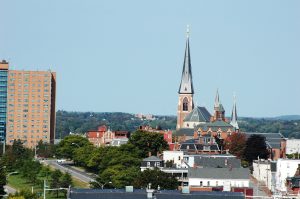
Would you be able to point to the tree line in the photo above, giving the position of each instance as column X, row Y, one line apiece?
column 20, row 160
column 117, row 167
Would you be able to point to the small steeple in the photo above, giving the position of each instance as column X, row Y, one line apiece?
column 234, row 118
column 217, row 99
column 186, row 84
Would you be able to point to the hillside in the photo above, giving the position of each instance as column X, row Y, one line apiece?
column 80, row 122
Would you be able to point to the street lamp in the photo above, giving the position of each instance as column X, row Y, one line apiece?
column 100, row 184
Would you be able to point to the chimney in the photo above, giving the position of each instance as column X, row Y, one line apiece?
column 150, row 192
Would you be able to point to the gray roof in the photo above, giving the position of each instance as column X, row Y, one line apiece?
column 184, row 131
column 219, row 173
column 198, row 114
column 215, row 125
column 199, row 147
column 152, row 158
column 186, row 84
column 141, row 194
column 215, row 162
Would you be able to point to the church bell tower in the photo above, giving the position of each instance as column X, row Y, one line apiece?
column 186, row 90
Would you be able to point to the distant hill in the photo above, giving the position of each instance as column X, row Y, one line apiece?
column 288, row 117
column 81, row 122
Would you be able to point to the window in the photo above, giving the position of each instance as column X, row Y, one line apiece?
column 185, row 104
column 208, row 183
column 158, row 164
column 148, row 164
column 201, row 183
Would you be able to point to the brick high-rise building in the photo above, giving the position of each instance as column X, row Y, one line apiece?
column 30, row 106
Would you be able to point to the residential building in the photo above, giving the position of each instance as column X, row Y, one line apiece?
column 100, row 137
column 118, row 141
column 265, row 172
column 3, row 98
column 176, row 157
column 285, row 168
column 30, row 106
column 292, row 146
column 219, row 177
column 151, row 163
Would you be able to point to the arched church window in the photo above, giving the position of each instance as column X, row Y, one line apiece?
column 185, row 104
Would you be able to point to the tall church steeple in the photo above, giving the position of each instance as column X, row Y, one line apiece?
column 186, row 84
column 234, row 118
column 186, row 89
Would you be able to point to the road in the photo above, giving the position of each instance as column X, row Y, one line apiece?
column 10, row 189
column 65, row 167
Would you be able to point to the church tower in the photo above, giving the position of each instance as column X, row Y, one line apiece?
column 186, row 90
column 234, row 117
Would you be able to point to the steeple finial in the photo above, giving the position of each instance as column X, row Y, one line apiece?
column 187, row 31
column 234, row 118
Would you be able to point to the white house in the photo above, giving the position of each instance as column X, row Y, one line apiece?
column 218, row 177
column 265, row 172
column 292, row 146
column 175, row 156
column 285, row 168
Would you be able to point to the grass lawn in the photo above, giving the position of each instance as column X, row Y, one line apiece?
column 19, row 183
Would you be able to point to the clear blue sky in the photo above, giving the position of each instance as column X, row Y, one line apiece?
column 127, row 55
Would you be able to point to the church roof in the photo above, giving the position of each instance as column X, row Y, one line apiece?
column 198, row 114
column 215, row 125
column 184, row 131
column 186, row 84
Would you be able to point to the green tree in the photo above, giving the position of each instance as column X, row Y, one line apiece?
column 148, row 142
column 235, row 143
column 15, row 155
column 66, row 181
column 45, row 150
column 256, row 148
column 45, row 172
column 82, row 154
column 69, row 144
column 157, row 178
column 28, row 172
column 55, row 180
column 2, row 179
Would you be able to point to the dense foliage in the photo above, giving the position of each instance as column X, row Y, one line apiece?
column 19, row 159
column 235, row 144
column 2, row 179
column 157, row 178
column 255, row 148
column 116, row 166
column 81, row 122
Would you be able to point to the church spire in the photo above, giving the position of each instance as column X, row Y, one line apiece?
column 186, row 84
column 234, row 122
column 217, row 99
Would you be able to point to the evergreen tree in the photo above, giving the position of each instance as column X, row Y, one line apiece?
column 2, row 179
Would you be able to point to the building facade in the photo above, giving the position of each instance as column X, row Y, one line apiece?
column 3, row 99
column 30, row 107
